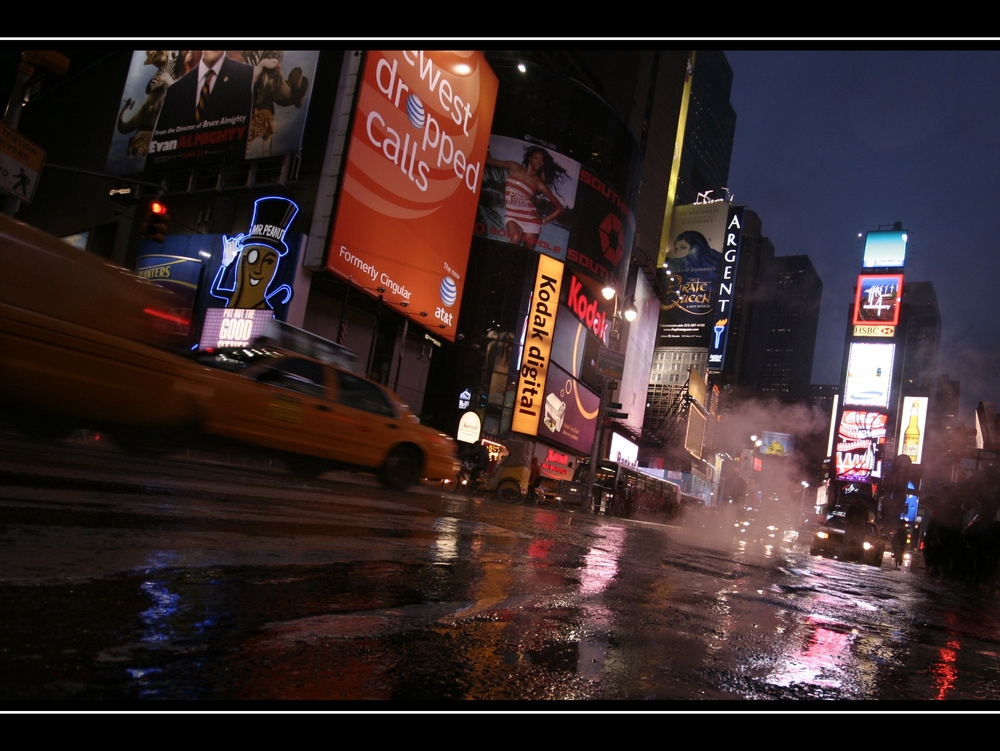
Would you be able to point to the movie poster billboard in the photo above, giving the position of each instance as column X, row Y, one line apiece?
column 877, row 299
column 858, row 447
column 570, row 412
column 412, row 179
column 690, row 274
column 869, row 374
column 255, row 107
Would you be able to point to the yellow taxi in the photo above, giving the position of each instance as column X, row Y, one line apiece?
column 326, row 415
column 85, row 343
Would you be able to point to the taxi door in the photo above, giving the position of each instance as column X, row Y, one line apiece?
column 285, row 405
column 368, row 419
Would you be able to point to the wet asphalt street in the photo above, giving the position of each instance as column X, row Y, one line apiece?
column 128, row 582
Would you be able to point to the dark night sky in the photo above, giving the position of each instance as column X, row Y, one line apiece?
column 830, row 144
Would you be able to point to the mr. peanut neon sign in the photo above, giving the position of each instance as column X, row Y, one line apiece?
column 248, row 275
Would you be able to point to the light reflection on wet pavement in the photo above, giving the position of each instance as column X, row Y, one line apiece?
column 285, row 590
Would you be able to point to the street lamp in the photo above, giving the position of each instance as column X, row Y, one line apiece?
column 626, row 309
column 623, row 309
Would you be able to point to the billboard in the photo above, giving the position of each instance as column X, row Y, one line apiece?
column 538, row 198
column 570, row 412
column 912, row 427
column 576, row 349
column 233, row 327
column 877, row 299
column 869, row 374
column 582, row 295
column 776, row 444
column 412, row 179
column 694, row 438
column 885, row 249
column 858, row 447
column 256, row 106
column 527, row 197
column 639, row 354
column 251, row 271
column 540, row 326
column 690, row 274
column 623, row 450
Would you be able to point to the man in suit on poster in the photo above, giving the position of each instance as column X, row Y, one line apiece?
column 219, row 90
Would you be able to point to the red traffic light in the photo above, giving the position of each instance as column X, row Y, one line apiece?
column 154, row 222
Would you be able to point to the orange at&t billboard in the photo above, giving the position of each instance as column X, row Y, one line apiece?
column 412, row 180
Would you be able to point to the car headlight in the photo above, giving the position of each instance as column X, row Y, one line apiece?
column 823, row 535
column 867, row 545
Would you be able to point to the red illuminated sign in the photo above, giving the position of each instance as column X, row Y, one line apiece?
column 877, row 300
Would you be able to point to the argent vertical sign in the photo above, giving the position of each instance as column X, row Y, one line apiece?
column 724, row 298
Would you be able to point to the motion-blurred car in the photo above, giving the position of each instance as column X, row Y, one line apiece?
column 324, row 415
column 770, row 530
column 85, row 343
column 83, row 340
column 831, row 541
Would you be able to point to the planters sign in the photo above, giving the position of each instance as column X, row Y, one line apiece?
column 412, row 180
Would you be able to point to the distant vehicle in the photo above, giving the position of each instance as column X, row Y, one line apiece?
column 831, row 540
column 770, row 529
column 85, row 343
column 620, row 490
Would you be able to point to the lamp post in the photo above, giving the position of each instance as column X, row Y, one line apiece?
column 623, row 309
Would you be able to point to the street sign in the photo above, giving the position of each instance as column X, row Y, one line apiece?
column 617, row 415
column 610, row 363
column 614, row 405
column 20, row 164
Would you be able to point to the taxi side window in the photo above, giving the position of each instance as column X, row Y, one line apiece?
column 303, row 376
column 361, row 394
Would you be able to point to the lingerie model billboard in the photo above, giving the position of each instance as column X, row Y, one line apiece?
column 539, row 199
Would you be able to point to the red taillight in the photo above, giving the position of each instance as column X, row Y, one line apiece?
column 169, row 316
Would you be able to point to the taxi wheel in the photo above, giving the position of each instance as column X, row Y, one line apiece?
column 402, row 468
